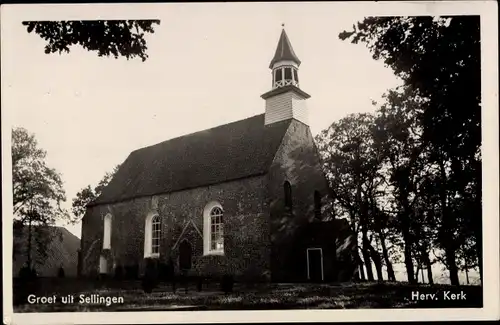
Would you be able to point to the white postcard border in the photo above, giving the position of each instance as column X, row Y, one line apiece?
column 489, row 79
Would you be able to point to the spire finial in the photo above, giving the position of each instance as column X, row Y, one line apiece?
column 283, row 25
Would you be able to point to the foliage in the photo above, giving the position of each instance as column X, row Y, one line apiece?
column 411, row 173
column 441, row 59
column 352, row 162
column 82, row 199
column 345, row 155
column 89, row 194
column 106, row 37
column 37, row 189
column 37, row 193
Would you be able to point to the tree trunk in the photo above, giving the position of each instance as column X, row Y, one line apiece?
column 378, row 263
column 417, row 272
column 422, row 274
column 467, row 275
column 29, row 243
column 452, row 265
column 428, row 266
column 479, row 249
column 478, row 229
column 362, row 276
column 361, row 271
column 409, row 264
column 407, row 252
column 366, row 256
column 447, row 228
column 385, row 253
column 361, row 215
column 405, row 230
column 79, row 263
column 358, row 260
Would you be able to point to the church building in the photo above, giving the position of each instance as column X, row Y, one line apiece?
column 244, row 198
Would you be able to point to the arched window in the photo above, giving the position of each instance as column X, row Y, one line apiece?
column 317, row 205
column 213, row 229
column 155, row 235
column 106, row 240
column 216, row 230
column 288, row 195
column 152, row 236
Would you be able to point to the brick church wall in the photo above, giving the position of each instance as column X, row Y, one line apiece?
column 298, row 162
column 246, row 229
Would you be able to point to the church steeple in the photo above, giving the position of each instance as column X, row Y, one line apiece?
column 285, row 63
column 285, row 100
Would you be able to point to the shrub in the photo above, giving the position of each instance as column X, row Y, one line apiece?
column 25, row 272
column 150, row 279
column 199, row 283
column 26, row 284
column 166, row 272
column 34, row 274
column 119, row 273
column 61, row 273
column 227, row 283
column 132, row 272
column 170, row 270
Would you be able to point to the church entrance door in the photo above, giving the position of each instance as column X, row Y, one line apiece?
column 103, row 265
column 315, row 264
column 185, row 255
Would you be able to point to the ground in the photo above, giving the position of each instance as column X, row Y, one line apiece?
column 271, row 296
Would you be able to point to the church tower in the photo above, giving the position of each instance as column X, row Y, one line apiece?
column 285, row 100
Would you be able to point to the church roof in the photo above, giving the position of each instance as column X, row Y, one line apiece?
column 284, row 51
column 228, row 152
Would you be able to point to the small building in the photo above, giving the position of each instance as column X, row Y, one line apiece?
column 234, row 199
column 328, row 248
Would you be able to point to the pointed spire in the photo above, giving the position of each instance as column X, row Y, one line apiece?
column 284, row 50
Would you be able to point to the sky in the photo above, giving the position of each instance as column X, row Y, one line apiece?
column 207, row 66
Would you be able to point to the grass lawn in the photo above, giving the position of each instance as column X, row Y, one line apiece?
column 269, row 296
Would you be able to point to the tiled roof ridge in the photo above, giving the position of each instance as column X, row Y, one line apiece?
column 197, row 132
